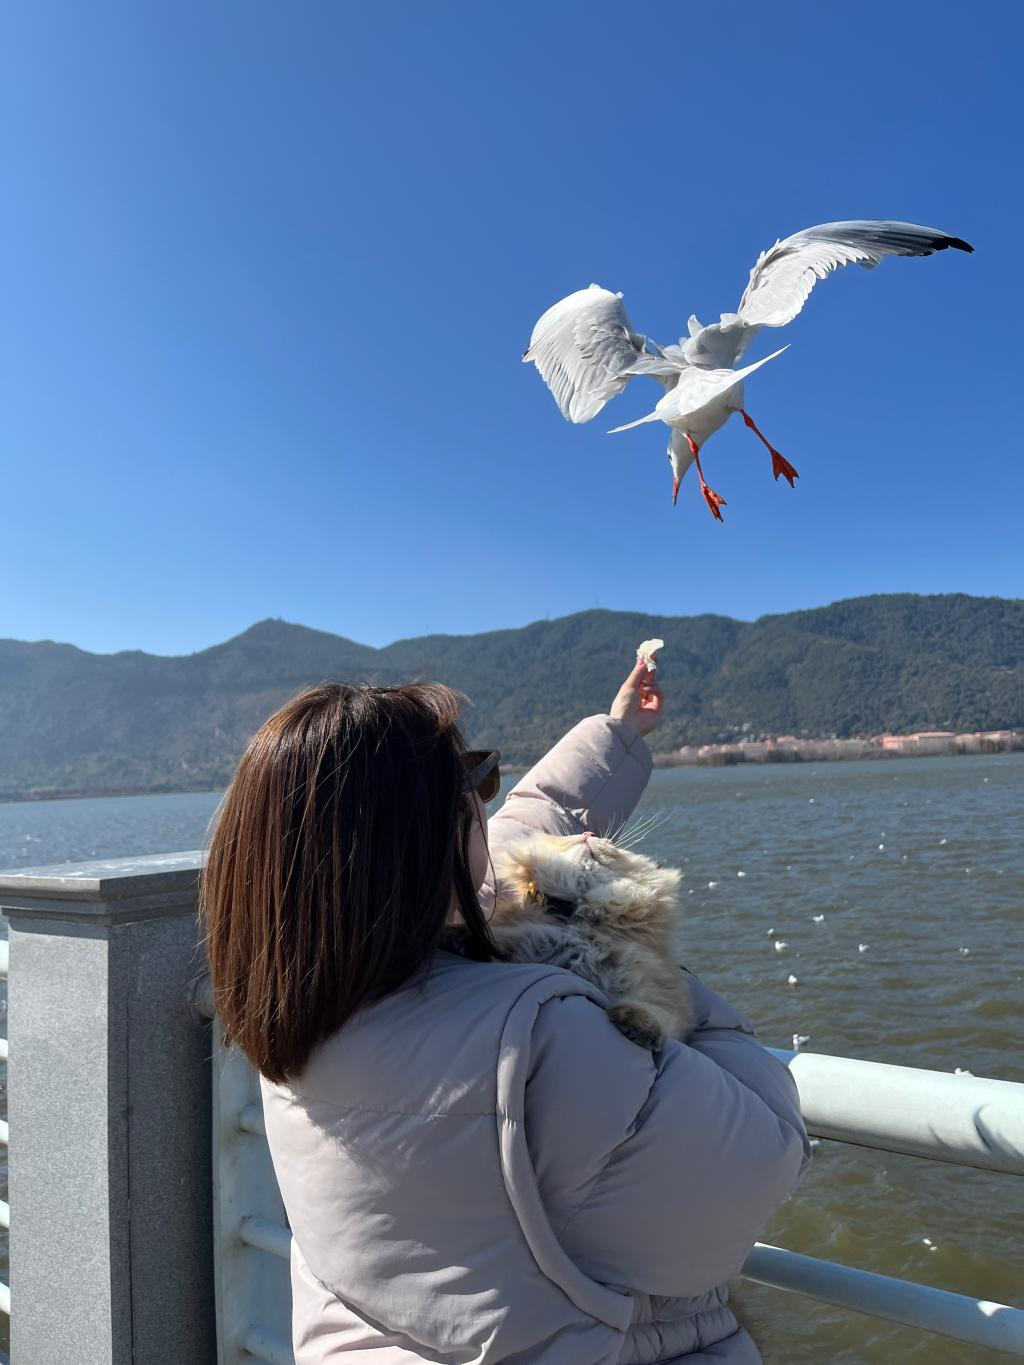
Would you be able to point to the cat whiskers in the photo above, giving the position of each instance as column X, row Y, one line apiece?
column 629, row 837
column 624, row 830
column 616, row 830
column 566, row 825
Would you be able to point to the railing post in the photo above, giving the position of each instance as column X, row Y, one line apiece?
column 109, row 1115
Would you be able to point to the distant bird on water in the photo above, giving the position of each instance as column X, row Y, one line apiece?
column 587, row 351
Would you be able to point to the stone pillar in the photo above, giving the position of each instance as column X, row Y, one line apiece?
column 109, row 1097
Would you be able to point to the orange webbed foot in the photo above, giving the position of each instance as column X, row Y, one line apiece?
column 714, row 501
column 780, row 465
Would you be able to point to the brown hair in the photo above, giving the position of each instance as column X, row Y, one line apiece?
column 339, row 848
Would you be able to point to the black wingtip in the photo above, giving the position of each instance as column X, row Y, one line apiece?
column 957, row 242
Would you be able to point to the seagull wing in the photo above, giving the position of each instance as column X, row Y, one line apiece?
column 584, row 346
column 666, row 367
column 784, row 276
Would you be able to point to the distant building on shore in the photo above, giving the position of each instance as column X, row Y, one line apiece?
column 791, row 749
column 946, row 742
column 924, row 742
column 989, row 741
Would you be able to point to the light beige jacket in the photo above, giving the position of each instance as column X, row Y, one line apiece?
column 480, row 1168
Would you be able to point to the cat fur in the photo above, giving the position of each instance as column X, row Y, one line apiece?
column 620, row 935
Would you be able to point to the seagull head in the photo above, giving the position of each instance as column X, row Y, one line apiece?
column 680, row 458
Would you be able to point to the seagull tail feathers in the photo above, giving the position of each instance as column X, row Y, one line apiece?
column 651, row 417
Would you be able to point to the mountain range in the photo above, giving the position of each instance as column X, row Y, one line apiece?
column 72, row 722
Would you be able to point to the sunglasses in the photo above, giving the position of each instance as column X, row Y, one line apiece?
column 482, row 773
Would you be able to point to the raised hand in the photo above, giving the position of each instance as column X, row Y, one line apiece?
column 639, row 701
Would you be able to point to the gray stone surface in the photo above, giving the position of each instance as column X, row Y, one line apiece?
column 109, row 1110
column 62, row 1153
column 117, row 888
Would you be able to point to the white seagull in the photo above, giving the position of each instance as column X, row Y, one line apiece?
column 587, row 351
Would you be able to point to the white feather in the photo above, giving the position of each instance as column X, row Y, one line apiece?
column 583, row 347
column 696, row 390
column 586, row 350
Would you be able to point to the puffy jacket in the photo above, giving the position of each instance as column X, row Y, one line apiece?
column 480, row 1168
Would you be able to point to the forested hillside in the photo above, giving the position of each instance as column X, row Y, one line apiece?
column 71, row 721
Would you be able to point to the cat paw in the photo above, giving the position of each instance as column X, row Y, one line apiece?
column 638, row 1025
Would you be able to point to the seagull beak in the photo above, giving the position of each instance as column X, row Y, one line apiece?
column 675, row 491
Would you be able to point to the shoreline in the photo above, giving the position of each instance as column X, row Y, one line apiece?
column 824, row 751
column 105, row 793
column 710, row 756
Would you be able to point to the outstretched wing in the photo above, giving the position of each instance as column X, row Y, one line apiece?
column 584, row 346
column 784, row 276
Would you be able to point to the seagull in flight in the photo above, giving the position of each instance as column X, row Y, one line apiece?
column 587, row 350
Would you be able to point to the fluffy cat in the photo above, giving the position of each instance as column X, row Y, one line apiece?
column 604, row 912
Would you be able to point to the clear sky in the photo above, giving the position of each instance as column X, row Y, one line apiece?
column 269, row 270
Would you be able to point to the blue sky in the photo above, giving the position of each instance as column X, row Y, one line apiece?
column 270, row 269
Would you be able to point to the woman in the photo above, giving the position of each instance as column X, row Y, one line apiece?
column 476, row 1165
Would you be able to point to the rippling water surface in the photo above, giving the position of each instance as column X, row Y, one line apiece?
column 918, row 859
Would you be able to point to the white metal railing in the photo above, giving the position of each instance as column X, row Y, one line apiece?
column 977, row 1321
column 915, row 1305
column 967, row 1120
column 252, row 1287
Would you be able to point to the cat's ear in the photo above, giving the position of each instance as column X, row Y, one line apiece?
column 648, row 891
column 668, row 879
column 664, row 885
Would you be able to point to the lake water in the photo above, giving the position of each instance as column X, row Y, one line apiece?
column 915, row 858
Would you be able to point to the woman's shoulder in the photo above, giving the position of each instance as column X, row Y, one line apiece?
column 434, row 1044
column 453, row 983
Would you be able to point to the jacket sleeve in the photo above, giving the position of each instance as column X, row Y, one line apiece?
column 591, row 779
column 659, row 1172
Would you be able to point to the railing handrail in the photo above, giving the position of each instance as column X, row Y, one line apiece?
column 961, row 1119
column 965, row 1120
column 980, row 1322
column 973, row 1121
column 821, row 1079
